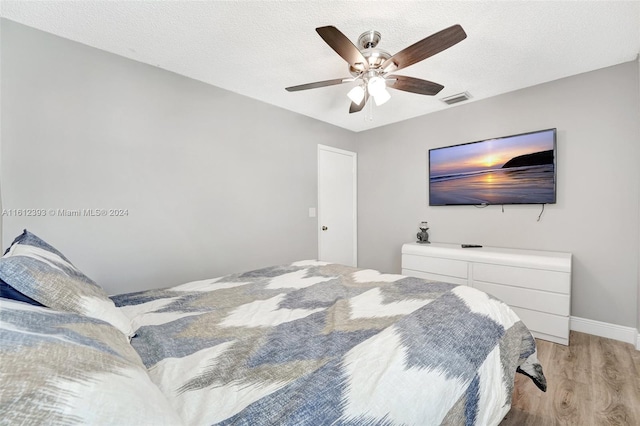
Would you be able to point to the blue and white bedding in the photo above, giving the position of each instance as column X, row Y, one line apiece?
column 323, row 344
column 303, row 344
column 63, row 368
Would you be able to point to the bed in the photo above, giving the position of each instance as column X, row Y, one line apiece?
column 307, row 343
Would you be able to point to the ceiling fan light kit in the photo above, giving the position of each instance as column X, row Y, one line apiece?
column 356, row 94
column 378, row 89
column 370, row 66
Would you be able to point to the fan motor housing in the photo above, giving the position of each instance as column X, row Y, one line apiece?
column 375, row 57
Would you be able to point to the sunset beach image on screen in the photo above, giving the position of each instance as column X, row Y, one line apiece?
column 518, row 169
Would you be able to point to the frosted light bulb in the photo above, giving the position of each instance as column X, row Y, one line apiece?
column 381, row 97
column 356, row 95
column 376, row 85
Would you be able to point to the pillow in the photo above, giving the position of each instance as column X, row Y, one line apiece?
column 8, row 292
column 64, row 368
column 42, row 273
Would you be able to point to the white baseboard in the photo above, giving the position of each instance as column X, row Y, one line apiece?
column 604, row 329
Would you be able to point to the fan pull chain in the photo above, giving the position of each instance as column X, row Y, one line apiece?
column 368, row 116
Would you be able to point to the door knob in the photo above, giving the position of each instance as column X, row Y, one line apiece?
column 324, row 228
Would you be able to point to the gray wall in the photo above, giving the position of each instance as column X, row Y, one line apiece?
column 216, row 183
column 213, row 182
column 595, row 218
column 1, row 23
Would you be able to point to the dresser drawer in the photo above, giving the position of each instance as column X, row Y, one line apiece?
column 536, row 279
column 546, row 324
column 436, row 265
column 553, row 303
column 435, row 277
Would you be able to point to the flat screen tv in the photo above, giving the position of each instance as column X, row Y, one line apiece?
column 516, row 169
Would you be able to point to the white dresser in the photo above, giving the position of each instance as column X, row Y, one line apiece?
column 536, row 284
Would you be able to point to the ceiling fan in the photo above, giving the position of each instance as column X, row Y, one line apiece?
column 371, row 66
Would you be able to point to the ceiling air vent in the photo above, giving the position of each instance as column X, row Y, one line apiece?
column 454, row 99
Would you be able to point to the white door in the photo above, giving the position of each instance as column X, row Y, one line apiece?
column 337, row 206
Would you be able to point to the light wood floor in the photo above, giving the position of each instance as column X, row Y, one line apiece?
column 593, row 381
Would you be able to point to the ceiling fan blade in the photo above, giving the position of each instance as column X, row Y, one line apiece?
column 343, row 47
column 414, row 85
column 354, row 107
column 425, row 48
column 318, row 84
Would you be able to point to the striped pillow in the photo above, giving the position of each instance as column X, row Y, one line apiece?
column 40, row 272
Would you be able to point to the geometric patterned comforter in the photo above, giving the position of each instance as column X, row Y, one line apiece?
column 324, row 344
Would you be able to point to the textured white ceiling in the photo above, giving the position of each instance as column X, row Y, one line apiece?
column 257, row 48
